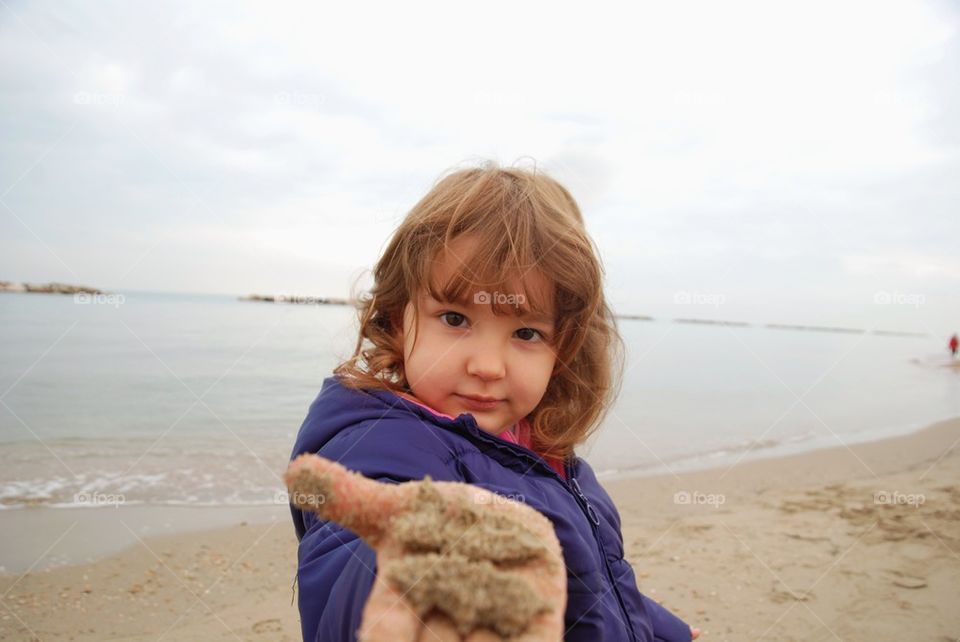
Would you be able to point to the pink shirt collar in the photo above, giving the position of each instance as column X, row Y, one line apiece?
column 509, row 434
column 518, row 434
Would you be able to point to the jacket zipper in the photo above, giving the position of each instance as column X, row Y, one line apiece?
column 595, row 520
column 573, row 487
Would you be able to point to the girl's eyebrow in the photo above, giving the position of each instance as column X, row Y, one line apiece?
column 527, row 316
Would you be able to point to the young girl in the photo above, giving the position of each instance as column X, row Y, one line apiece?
column 486, row 354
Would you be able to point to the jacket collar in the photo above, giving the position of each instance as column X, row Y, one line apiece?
column 338, row 406
column 506, row 452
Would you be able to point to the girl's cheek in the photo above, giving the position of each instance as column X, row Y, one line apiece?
column 435, row 338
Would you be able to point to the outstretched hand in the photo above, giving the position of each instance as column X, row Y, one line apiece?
column 455, row 562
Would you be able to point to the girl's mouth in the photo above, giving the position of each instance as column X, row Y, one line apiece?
column 480, row 403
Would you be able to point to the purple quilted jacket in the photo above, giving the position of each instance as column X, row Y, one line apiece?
column 392, row 439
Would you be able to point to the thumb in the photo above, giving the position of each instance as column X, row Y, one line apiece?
column 348, row 498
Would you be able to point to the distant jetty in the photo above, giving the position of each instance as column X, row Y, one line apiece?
column 47, row 288
column 711, row 322
column 294, row 298
column 777, row 326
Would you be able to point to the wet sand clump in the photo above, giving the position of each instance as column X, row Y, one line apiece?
column 468, row 530
column 473, row 593
column 459, row 562
column 460, row 557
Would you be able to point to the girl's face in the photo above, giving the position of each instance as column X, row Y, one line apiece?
column 471, row 352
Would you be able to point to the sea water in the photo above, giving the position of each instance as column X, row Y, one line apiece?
column 195, row 400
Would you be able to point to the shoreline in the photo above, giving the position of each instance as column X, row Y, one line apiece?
column 737, row 454
column 729, row 457
column 825, row 466
column 162, row 519
column 824, row 543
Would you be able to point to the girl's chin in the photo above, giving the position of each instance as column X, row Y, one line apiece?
column 488, row 428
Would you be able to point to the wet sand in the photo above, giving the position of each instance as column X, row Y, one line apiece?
column 859, row 543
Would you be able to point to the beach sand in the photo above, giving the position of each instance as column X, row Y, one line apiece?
column 858, row 543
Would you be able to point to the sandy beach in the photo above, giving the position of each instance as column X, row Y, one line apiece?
column 858, row 543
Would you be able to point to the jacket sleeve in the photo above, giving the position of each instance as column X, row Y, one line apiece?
column 335, row 574
column 336, row 569
column 667, row 627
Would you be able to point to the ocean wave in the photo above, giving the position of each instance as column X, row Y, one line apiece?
column 231, row 485
column 711, row 457
column 251, row 503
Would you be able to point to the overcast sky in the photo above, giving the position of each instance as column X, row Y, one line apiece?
column 765, row 161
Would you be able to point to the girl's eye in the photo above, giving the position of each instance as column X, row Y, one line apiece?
column 457, row 317
column 457, row 320
column 534, row 331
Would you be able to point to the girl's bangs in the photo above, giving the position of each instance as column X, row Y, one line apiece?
column 509, row 289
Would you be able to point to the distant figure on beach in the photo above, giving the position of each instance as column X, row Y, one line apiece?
column 954, row 342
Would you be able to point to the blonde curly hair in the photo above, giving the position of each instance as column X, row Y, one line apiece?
column 523, row 220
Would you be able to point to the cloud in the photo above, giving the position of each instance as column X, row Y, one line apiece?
column 738, row 146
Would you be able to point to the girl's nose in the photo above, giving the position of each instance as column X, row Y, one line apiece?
column 486, row 362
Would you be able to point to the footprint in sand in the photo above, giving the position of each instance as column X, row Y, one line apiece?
column 267, row 626
column 904, row 580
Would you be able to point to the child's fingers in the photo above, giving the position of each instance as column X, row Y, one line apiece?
column 327, row 488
